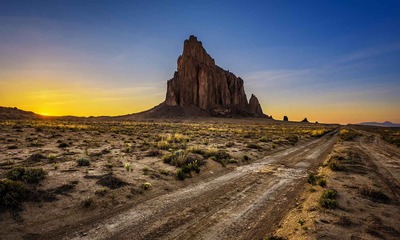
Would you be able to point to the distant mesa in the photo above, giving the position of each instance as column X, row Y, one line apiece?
column 378, row 124
column 285, row 118
column 201, row 88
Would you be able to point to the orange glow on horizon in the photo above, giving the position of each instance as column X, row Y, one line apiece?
column 64, row 97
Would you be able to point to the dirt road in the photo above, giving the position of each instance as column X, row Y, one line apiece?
column 246, row 203
column 383, row 159
column 368, row 186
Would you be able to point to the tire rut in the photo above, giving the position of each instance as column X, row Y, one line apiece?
column 376, row 156
column 245, row 203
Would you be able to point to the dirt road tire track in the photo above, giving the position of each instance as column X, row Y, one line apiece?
column 245, row 203
column 380, row 153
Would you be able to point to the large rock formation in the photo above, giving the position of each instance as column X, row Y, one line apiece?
column 199, row 83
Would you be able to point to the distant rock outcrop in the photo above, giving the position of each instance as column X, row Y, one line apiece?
column 285, row 118
column 305, row 120
column 203, row 87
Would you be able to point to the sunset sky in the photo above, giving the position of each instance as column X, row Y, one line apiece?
column 329, row 61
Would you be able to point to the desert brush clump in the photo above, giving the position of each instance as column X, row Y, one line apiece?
column 83, row 162
column 36, row 157
column 177, row 158
column 220, row 156
column 172, row 141
column 51, row 158
column 315, row 179
column 187, row 162
column 253, row 146
column 146, row 186
column 27, row 175
column 153, row 153
column 318, row 132
column 12, row 194
column 101, row 192
column 87, row 202
column 164, row 145
column 180, row 175
column 192, row 166
column 145, row 170
column 334, row 163
column 328, row 199
column 63, row 145
column 392, row 138
column 292, row 139
column 128, row 167
column 20, row 186
column 348, row 134
column 111, row 181
column 322, row 182
column 264, row 139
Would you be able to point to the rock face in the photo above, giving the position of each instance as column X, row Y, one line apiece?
column 255, row 107
column 199, row 83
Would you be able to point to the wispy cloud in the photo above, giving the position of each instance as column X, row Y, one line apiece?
column 275, row 77
column 370, row 52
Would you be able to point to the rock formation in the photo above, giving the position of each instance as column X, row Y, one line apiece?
column 305, row 120
column 199, row 83
column 254, row 106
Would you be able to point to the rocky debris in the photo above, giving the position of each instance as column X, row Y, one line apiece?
column 305, row 120
column 285, row 118
column 201, row 84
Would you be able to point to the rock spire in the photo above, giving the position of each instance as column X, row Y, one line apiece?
column 198, row 82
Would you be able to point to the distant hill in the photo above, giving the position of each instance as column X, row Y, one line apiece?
column 17, row 114
column 13, row 113
column 378, row 124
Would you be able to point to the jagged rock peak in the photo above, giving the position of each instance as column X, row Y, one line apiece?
column 193, row 51
column 255, row 107
column 201, row 84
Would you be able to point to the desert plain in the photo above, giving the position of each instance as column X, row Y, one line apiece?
column 198, row 179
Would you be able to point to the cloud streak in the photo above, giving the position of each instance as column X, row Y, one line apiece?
column 369, row 53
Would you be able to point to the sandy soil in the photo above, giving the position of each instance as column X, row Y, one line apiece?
column 266, row 195
column 238, row 199
column 242, row 204
column 368, row 195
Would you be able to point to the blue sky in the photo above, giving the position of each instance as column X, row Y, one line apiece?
column 330, row 61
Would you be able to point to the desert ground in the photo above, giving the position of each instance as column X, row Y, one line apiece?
column 198, row 179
